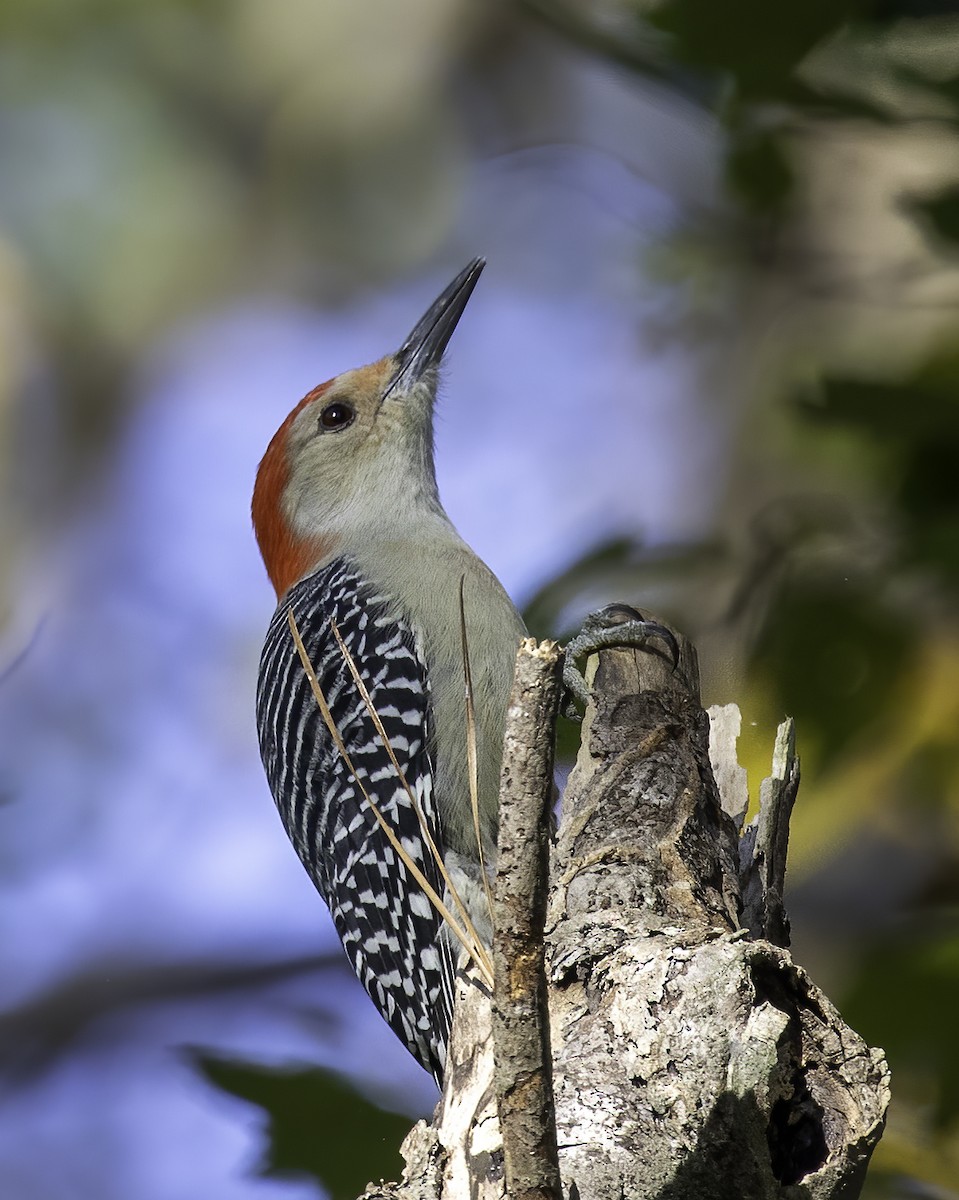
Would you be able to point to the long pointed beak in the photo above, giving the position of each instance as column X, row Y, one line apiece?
column 424, row 347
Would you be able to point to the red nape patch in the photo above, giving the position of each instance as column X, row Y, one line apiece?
column 285, row 556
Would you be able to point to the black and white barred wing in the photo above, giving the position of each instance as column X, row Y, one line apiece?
column 389, row 928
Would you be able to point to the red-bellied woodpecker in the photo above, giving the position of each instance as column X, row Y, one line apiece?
column 351, row 529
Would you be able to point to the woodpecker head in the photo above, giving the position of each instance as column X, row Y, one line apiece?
column 355, row 456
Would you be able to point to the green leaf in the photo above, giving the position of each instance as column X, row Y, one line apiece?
column 905, row 999
column 759, row 172
column 947, row 89
column 923, row 405
column 756, row 43
column 916, row 423
column 833, row 658
column 939, row 214
column 318, row 1124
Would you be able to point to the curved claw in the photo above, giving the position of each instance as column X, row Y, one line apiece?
column 617, row 625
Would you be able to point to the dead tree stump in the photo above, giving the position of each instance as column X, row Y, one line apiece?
column 692, row 1059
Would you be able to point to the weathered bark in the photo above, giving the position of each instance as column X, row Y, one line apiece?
column 691, row 1057
column 521, row 1044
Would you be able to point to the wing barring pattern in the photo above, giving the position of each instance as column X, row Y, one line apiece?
column 392, row 933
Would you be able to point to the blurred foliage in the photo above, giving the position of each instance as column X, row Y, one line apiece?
column 854, row 656
column 161, row 158
column 907, row 984
column 319, row 1125
column 845, row 618
column 941, row 213
column 915, row 424
column 758, row 169
column 836, row 592
column 619, row 569
column 757, row 47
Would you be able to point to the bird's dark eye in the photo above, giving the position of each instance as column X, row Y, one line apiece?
column 337, row 415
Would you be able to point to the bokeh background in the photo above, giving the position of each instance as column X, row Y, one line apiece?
column 712, row 367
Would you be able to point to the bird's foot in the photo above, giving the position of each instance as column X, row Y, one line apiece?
column 615, row 625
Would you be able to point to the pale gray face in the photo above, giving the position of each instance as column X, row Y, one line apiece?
column 354, row 459
column 357, row 431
